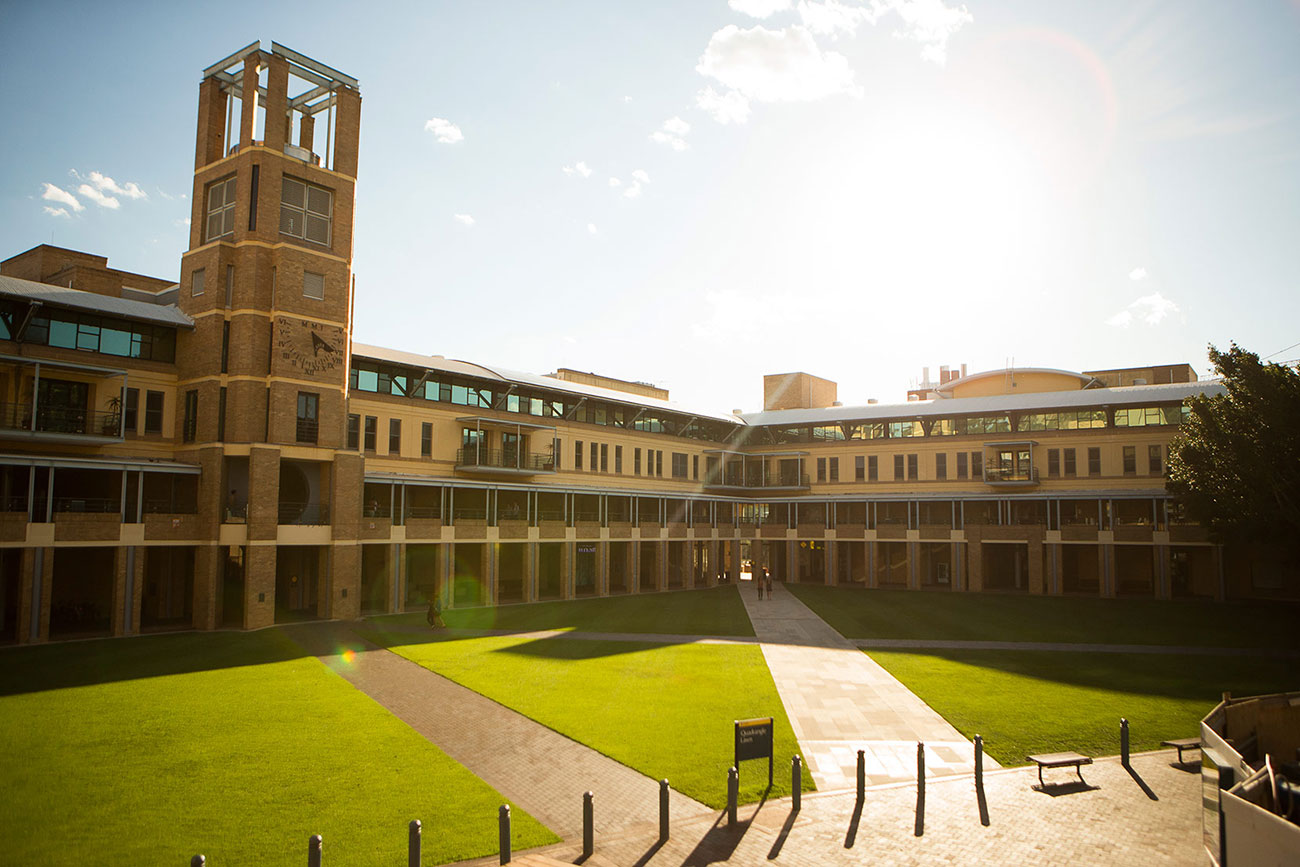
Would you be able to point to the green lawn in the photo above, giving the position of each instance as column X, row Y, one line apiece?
column 859, row 613
column 238, row 746
column 715, row 611
column 665, row 710
column 1026, row 702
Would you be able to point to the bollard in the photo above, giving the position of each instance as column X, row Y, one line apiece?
column 920, row 764
column 314, row 846
column 198, row 861
column 1123, row 742
column 413, row 844
column 588, row 832
column 979, row 761
column 862, row 775
column 733, row 795
column 663, row 810
column 796, row 782
column 503, row 822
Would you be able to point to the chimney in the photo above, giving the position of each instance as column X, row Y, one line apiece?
column 963, row 371
column 944, row 374
column 925, row 376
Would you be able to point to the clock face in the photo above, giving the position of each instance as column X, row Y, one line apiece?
column 309, row 347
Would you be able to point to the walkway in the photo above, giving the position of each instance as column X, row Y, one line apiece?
column 540, row 770
column 840, row 701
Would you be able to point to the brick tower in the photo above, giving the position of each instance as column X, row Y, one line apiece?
column 263, row 377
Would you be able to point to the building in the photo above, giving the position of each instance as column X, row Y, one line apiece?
column 218, row 452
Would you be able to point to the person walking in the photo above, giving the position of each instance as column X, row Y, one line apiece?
column 768, row 577
column 758, row 579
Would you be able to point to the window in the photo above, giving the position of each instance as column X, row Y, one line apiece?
column 372, row 432
column 941, row 466
column 153, row 412
column 394, row 436
column 1069, row 462
column 221, row 209
column 898, row 468
column 221, row 415
column 426, row 440
column 859, row 468
column 604, row 457
column 191, row 427
column 659, row 463
column 90, row 333
column 594, row 457
column 305, row 211
column 354, row 432
column 130, row 412
column 912, row 473
column 618, row 459
column 196, row 282
column 308, row 415
column 1094, row 461
column 1084, row 419
column 556, row 452
column 230, row 284
column 1053, row 462
column 1130, row 460
column 977, row 465
column 636, row 462
column 679, row 465
column 1143, row 416
column 1155, row 463
column 873, row 471
column 225, row 346
column 577, row 454
column 313, row 285
column 961, row 465
column 835, row 469
column 821, row 469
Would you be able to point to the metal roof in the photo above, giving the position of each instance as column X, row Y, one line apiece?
column 515, row 377
column 1129, row 395
column 948, row 386
column 77, row 299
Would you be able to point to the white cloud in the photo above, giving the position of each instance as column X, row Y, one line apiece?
column 672, row 133
column 99, row 198
column 775, row 65
column 57, row 212
column 727, row 107
column 62, row 196
column 929, row 22
column 627, row 99
column 1149, row 310
column 640, row 176
column 579, row 168
column 759, row 8
column 615, row 182
column 830, row 17
column 464, row 219
column 591, row 228
column 444, row 130
column 105, row 184
column 1138, row 274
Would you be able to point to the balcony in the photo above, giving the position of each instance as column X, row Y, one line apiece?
column 308, row 430
column 59, row 423
column 734, row 482
column 1010, row 477
column 503, row 462
column 304, row 514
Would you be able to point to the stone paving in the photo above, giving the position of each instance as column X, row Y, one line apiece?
column 840, row 701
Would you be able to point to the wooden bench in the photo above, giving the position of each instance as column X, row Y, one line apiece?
column 1060, row 760
column 1181, row 744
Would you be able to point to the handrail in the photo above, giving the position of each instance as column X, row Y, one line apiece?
column 57, row 419
column 504, row 459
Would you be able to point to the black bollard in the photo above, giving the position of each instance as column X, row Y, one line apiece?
column 314, row 846
column 503, row 832
column 920, row 788
column 198, row 861
column 413, row 844
column 979, row 761
column 663, row 810
column 796, row 782
column 588, row 831
column 1123, row 742
column 733, row 795
column 862, row 775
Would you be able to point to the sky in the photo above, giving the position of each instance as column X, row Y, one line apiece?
column 699, row 193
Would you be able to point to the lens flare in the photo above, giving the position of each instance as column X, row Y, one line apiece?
column 349, row 656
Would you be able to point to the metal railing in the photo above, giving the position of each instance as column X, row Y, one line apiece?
column 735, row 480
column 64, row 420
column 304, row 513
column 13, row 504
column 170, row 507
column 308, row 430
column 1000, row 474
column 467, row 513
column 90, row 505
column 423, row 511
column 504, row 459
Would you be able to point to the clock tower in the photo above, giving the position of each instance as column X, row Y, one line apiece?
column 263, row 377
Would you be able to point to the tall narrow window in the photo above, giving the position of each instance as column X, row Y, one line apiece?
column 252, row 199
column 659, row 463
column 197, row 280
column 153, row 412
column 695, row 467
column 354, row 432
column 221, row 209
column 821, row 469
column 678, row 465
column 372, row 433
column 873, row 469
column 1130, row 460
column 556, row 452
column 834, row 469
column 225, row 346
column 898, row 468
column 577, row 454
column 912, row 468
column 426, row 440
column 190, row 428
column 1069, row 462
column 1094, row 461
column 977, row 465
column 860, row 468
column 230, row 284
column 604, row 457
column 131, row 414
column 221, row 415
column 305, row 211
column 1155, row 461
column 941, row 466
column 394, row 436
column 962, row 465
column 1053, row 462
column 618, row 459
column 308, row 415
column 636, row 462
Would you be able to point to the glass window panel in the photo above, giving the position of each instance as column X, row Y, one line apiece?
column 318, row 201
column 318, row 229
column 114, row 341
column 63, row 334
column 367, row 380
column 292, row 192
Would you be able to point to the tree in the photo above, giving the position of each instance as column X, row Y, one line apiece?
column 1235, row 463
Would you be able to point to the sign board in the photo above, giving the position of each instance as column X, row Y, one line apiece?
column 586, row 549
column 754, row 741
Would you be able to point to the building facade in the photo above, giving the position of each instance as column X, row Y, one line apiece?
column 217, row 452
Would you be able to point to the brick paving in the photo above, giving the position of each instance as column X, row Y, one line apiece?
column 840, row 701
column 1111, row 823
column 540, row 770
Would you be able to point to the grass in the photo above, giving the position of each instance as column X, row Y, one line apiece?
column 713, row 611
column 859, row 613
column 1026, row 702
column 664, row 710
column 238, row 746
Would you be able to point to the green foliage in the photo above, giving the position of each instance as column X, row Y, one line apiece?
column 1235, row 464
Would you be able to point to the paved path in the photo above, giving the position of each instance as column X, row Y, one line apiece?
column 542, row 771
column 840, row 701
column 1113, row 823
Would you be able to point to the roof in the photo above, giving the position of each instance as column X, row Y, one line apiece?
column 1129, row 395
column 515, row 377
column 76, row 299
column 948, row 386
